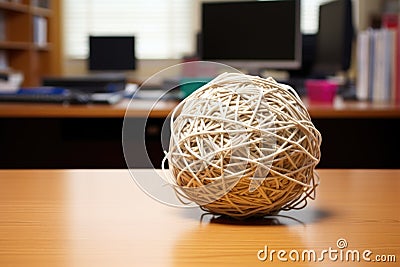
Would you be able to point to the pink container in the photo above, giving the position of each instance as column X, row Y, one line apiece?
column 321, row 91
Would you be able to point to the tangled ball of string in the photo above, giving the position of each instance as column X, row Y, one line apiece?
column 243, row 146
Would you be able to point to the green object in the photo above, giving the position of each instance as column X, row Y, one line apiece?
column 190, row 84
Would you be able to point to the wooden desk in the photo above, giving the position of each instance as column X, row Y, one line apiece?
column 355, row 134
column 139, row 109
column 142, row 108
column 100, row 218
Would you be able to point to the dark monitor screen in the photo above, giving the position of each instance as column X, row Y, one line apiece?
column 259, row 33
column 334, row 37
column 112, row 53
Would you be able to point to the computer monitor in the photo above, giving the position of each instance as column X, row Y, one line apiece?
column 334, row 38
column 253, row 35
column 112, row 53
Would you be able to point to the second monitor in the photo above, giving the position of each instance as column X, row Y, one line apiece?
column 112, row 53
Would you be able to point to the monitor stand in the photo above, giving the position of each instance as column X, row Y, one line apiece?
column 277, row 75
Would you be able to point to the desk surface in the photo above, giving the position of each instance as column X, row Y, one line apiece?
column 140, row 108
column 101, row 218
column 144, row 108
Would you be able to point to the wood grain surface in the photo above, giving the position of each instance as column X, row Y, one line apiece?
column 102, row 218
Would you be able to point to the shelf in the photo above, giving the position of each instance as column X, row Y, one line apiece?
column 14, row 7
column 40, row 11
column 22, row 8
column 30, row 38
column 46, row 47
column 11, row 45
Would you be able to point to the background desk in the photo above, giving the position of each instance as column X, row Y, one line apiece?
column 100, row 218
column 355, row 134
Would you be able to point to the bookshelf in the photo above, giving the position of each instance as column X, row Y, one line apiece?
column 30, row 38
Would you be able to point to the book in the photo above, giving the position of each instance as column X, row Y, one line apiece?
column 397, row 63
column 40, row 30
column 376, row 58
column 391, row 21
column 2, row 26
column 379, row 66
column 362, row 65
column 371, row 61
column 3, row 61
column 41, row 3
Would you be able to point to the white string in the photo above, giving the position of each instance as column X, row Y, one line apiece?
column 243, row 146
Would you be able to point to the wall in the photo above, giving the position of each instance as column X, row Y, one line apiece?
column 145, row 68
column 363, row 9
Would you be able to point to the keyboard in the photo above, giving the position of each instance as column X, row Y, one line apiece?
column 59, row 95
column 45, row 98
